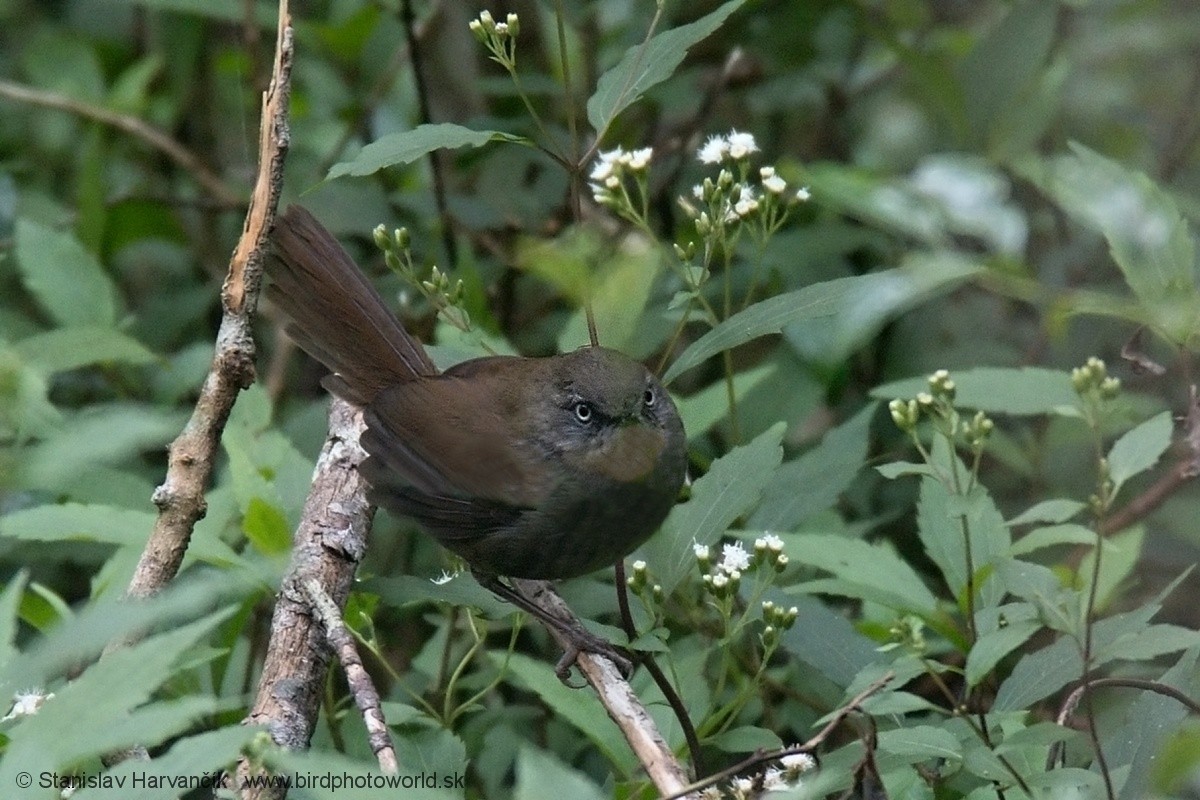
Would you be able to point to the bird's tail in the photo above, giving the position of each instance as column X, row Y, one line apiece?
column 335, row 314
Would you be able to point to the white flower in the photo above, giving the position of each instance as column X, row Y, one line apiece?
column 720, row 581
column 803, row 194
column 734, row 557
column 766, row 172
column 612, row 182
column 485, row 17
column 606, row 164
column 774, row 184
column 26, row 703
column 698, row 192
column 747, row 203
column 743, row 786
column 715, row 149
column 798, row 762
column 640, row 159
column 701, row 550
column 639, row 565
column 741, row 145
column 773, row 780
column 772, row 542
column 442, row 579
column 502, row 28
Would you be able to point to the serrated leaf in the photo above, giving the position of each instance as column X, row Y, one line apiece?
column 1148, row 237
column 1052, row 536
column 67, row 281
column 407, row 146
column 919, row 743
column 997, row 390
column 70, row 348
column 1059, row 510
column 813, row 482
column 647, row 64
column 876, row 570
column 855, row 306
column 995, row 645
column 1139, row 449
column 729, row 489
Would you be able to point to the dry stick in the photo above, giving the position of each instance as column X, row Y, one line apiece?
column 618, row 699
column 329, row 544
column 180, row 498
column 365, row 695
column 226, row 195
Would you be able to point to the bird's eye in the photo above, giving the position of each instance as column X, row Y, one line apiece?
column 583, row 412
column 649, row 396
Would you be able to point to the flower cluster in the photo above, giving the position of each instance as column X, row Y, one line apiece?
column 1093, row 379
column 610, row 184
column 723, row 578
column 500, row 38
column 442, row 292
column 937, row 404
column 774, row 779
column 26, row 703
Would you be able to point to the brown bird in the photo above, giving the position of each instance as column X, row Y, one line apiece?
column 526, row 467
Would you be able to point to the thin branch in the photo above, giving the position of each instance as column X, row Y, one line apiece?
column 193, row 454
column 618, row 699
column 329, row 544
column 226, row 195
column 361, row 687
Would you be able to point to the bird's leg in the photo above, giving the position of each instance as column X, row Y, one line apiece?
column 575, row 638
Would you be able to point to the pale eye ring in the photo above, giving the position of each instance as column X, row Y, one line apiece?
column 583, row 411
column 649, row 397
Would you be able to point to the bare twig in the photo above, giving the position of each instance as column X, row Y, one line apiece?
column 619, row 700
column 1072, row 702
column 329, row 544
column 361, row 687
column 212, row 183
column 180, row 498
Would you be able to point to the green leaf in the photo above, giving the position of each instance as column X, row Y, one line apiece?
column 568, row 705
column 1139, row 449
column 1059, row 510
column 10, row 603
column 537, row 770
column 67, row 281
column 998, row 390
column 1150, row 719
column 1120, row 557
column 1052, row 536
column 826, row 640
column 874, row 570
column 407, row 146
column 649, row 63
column 815, row 480
column 994, row 645
column 78, row 521
column 920, row 743
column 112, row 688
column 729, row 489
column 1002, row 66
column 704, row 409
column 853, row 307
column 946, row 521
column 267, row 528
column 900, row 469
column 745, row 739
column 69, row 348
column 402, row 591
column 204, row 754
column 1147, row 235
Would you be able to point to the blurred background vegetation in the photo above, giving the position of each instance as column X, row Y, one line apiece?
column 1052, row 146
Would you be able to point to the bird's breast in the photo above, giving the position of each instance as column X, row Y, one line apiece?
column 627, row 454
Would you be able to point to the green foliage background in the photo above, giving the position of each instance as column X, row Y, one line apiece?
column 1000, row 189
